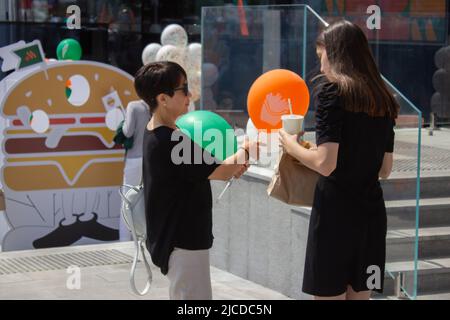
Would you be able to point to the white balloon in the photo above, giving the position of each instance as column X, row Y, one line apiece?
column 194, row 82
column 113, row 118
column 251, row 130
column 172, row 53
column 210, row 74
column 195, row 49
column 175, row 35
column 149, row 52
column 191, row 106
column 193, row 69
column 194, row 56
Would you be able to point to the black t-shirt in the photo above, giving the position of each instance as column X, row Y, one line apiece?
column 178, row 200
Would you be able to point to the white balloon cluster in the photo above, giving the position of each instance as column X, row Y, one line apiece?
column 174, row 47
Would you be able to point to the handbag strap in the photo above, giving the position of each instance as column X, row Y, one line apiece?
column 139, row 248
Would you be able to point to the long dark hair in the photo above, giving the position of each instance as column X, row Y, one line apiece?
column 353, row 69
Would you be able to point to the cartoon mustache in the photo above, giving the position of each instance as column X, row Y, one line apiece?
column 67, row 235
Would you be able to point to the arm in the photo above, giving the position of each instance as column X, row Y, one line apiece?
column 183, row 156
column 234, row 165
column 323, row 159
column 388, row 159
column 386, row 167
column 237, row 164
column 130, row 121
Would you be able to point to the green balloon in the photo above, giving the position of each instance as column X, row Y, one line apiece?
column 210, row 131
column 69, row 49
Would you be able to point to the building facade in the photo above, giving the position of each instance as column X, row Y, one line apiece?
column 116, row 31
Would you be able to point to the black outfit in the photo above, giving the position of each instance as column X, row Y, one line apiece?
column 347, row 230
column 178, row 200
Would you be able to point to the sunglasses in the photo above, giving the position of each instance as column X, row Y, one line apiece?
column 185, row 89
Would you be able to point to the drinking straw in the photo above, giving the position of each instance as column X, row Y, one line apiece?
column 290, row 106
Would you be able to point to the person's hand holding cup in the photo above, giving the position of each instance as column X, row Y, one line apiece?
column 292, row 123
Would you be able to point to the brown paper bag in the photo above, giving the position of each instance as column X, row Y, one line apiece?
column 293, row 183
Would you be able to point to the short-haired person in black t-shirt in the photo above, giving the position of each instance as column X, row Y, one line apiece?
column 355, row 116
column 178, row 200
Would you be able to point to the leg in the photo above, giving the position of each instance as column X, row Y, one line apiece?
column 189, row 275
column 339, row 297
column 353, row 295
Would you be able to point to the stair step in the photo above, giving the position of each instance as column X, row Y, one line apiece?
column 433, row 243
column 405, row 188
column 433, row 276
column 430, row 296
column 435, row 296
column 434, row 212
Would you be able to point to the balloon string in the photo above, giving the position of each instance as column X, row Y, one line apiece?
column 255, row 162
column 225, row 189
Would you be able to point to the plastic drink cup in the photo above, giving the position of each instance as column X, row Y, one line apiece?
column 292, row 123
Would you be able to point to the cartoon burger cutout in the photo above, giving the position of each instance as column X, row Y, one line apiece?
column 61, row 168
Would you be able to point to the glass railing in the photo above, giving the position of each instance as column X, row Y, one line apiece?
column 403, row 223
column 242, row 43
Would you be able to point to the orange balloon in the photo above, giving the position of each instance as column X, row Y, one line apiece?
column 268, row 98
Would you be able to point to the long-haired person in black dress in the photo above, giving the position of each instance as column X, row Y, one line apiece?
column 355, row 117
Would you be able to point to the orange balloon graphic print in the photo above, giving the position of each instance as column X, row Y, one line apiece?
column 268, row 98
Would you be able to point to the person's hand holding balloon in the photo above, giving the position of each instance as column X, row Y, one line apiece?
column 242, row 170
column 252, row 149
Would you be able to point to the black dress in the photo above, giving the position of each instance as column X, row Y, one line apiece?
column 347, row 230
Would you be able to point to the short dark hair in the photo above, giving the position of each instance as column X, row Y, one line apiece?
column 155, row 78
